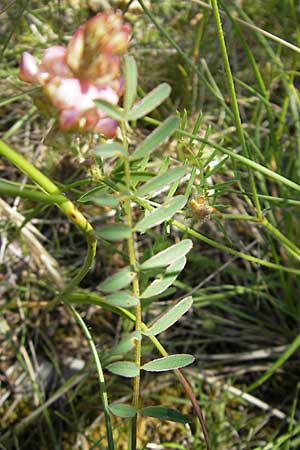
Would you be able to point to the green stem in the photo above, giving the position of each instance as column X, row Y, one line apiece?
column 66, row 206
column 234, row 103
column 136, row 292
column 14, row 190
column 102, row 386
column 290, row 246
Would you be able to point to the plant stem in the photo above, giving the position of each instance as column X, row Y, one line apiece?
column 102, row 386
column 234, row 103
column 136, row 291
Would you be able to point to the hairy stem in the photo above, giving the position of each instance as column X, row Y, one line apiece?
column 136, row 292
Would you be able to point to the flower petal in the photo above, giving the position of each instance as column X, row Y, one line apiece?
column 65, row 93
column 107, row 127
column 75, row 50
column 28, row 68
column 107, row 94
column 54, row 62
column 68, row 119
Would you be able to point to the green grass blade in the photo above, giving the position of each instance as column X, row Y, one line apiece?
column 277, row 364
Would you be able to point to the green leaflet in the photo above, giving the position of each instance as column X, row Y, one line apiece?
column 168, row 256
column 118, row 280
column 109, row 150
column 170, row 317
column 170, row 362
column 130, row 72
column 122, row 299
column 162, row 283
column 164, row 413
column 162, row 213
column 114, row 232
column 127, row 369
column 121, row 410
column 161, row 181
column 159, row 135
column 150, row 102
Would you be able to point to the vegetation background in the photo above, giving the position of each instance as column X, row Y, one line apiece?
column 243, row 270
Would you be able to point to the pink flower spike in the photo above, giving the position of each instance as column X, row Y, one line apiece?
column 107, row 127
column 74, row 77
column 28, row 68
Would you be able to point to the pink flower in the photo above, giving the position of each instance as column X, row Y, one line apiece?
column 73, row 77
